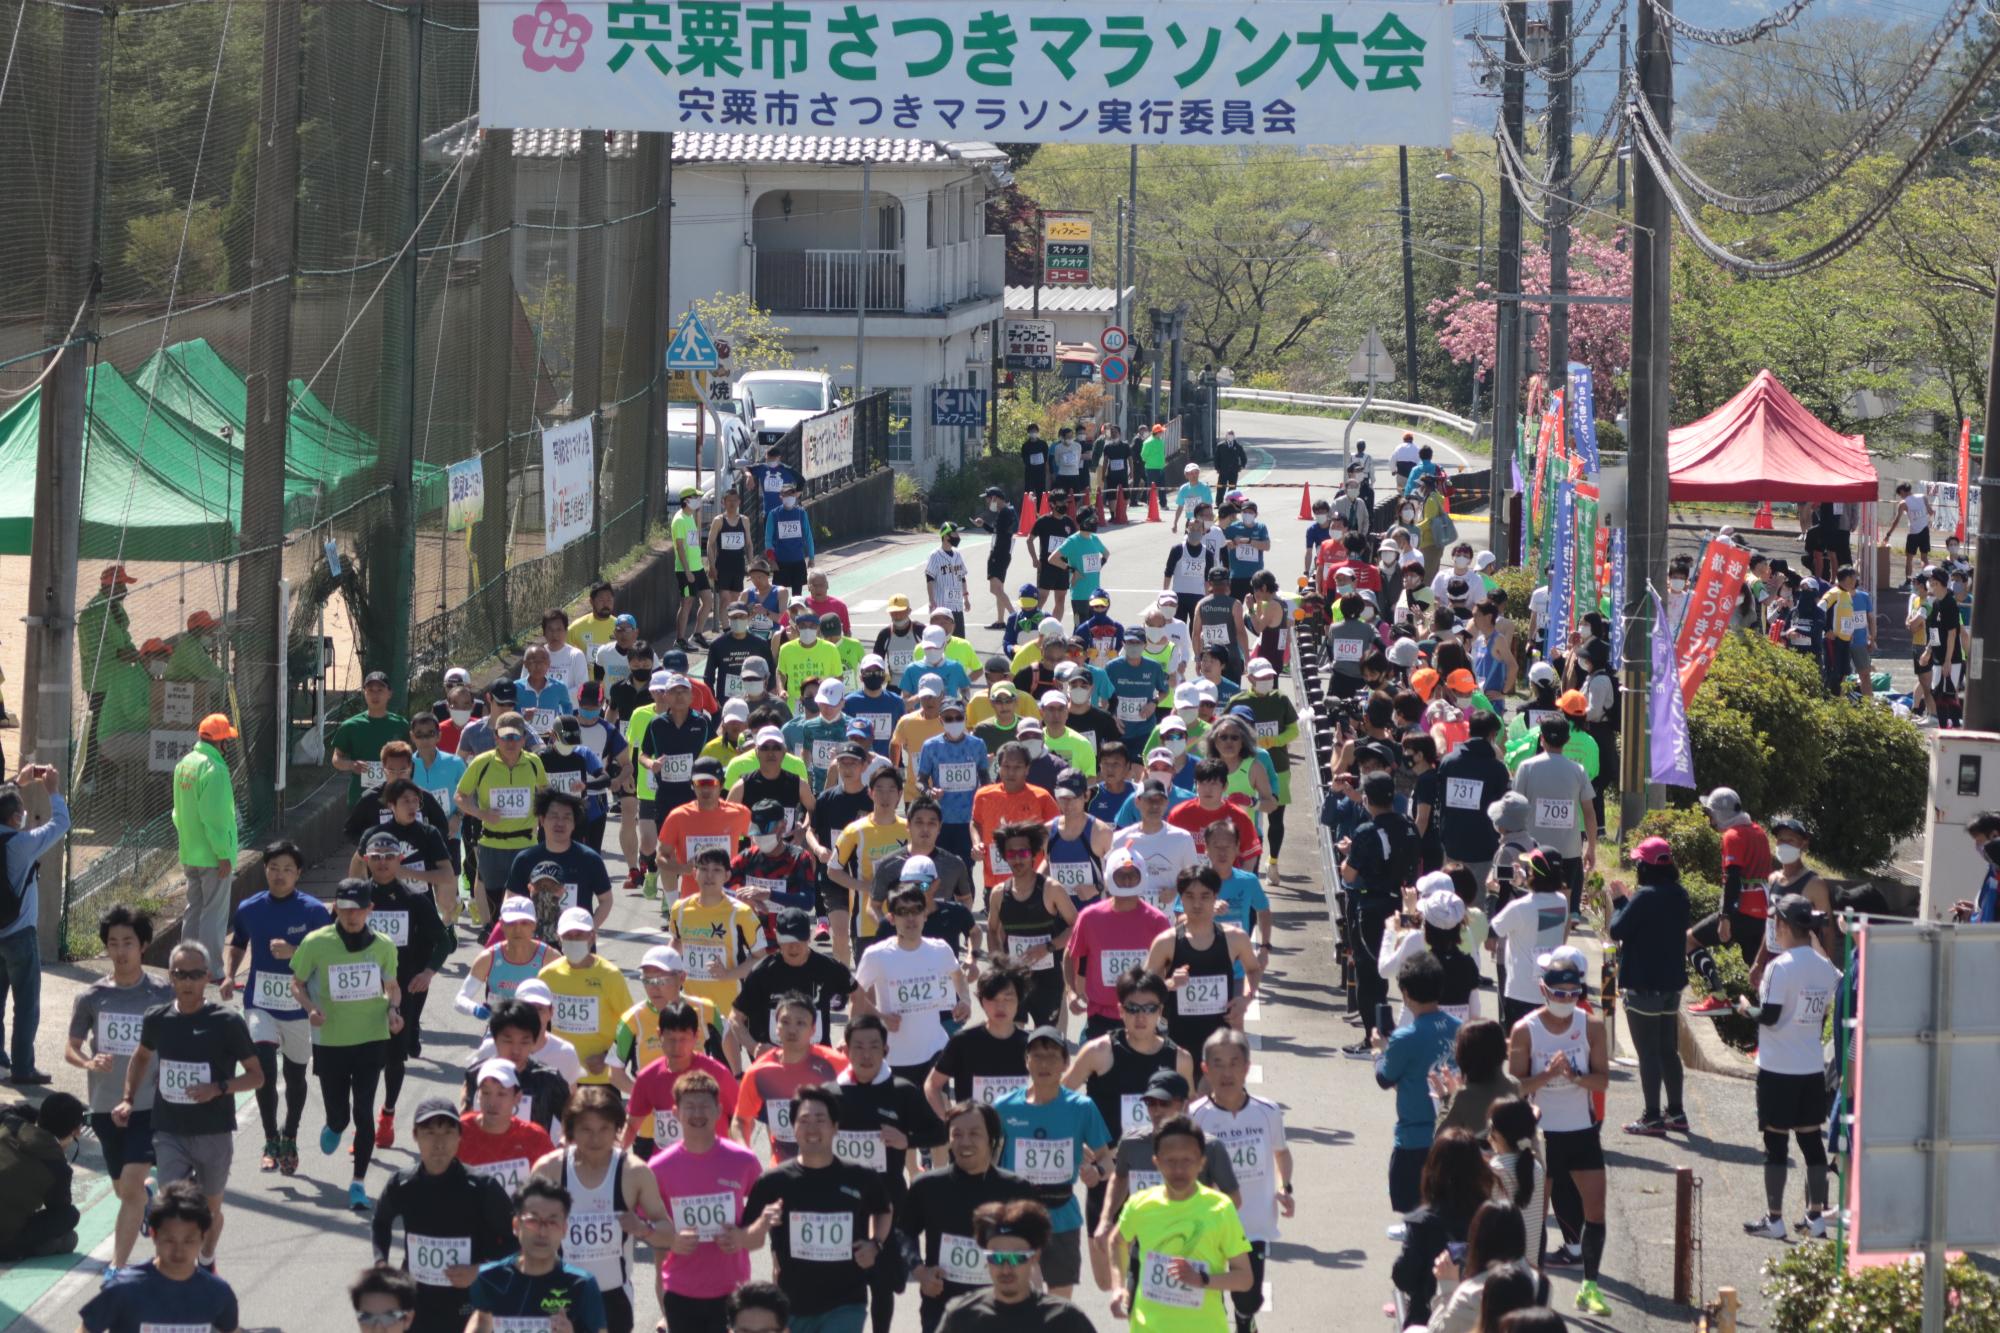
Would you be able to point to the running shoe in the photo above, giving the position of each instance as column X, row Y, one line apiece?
column 385, row 1130
column 1395, row 1231
column 357, row 1198
column 288, row 1156
column 1591, row 1301
column 701, row 641
column 269, row 1161
column 329, row 1139
column 821, row 931
column 1360, row 1048
column 1648, row 1127
column 998, row 624
column 650, row 886
column 1676, row 1124
column 1564, row 1256
column 1714, row 1004
column 1818, row 1226
column 1770, row 1228
column 635, row 880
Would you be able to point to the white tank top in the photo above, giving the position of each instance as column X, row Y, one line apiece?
column 596, row 1242
column 1564, row 1105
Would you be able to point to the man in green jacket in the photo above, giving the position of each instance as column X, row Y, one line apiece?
column 35, row 1177
column 205, row 819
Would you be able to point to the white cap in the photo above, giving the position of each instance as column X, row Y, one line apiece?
column 664, row 958
column 930, row 686
column 829, row 692
column 1563, row 958
column 1194, row 468
column 1050, row 628
column 1186, row 695
column 917, row 867
column 1028, row 724
column 535, row 991
column 936, row 637
column 770, row 736
column 1170, row 723
column 516, row 908
column 677, row 681
column 457, row 676
column 1541, row 673
column 500, row 1071
column 1206, row 692
column 875, row 660
column 576, row 919
column 1168, row 598
column 1484, row 560
column 1403, row 653
column 1162, row 756
column 736, row 710
column 1261, row 666
column 1119, row 859
column 659, row 679
column 1054, row 699
column 1723, row 801
column 1442, row 908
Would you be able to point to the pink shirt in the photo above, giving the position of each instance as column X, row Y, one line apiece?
column 653, row 1097
column 726, row 1169
column 1106, row 943
column 832, row 606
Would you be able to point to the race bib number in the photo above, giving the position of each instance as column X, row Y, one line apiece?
column 1143, row 1180
column 1463, row 793
column 861, row 1147
column 1046, row 1161
column 1071, row 874
column 391, row 926
column 1115, row 963
column 707, row 1215
column 1157, row 1284
column 542, row 719
column 779, row 1120
column 1267, row 731
column 1555, row 814
column 958, row 777
column 177, row 1076
column 1132, row 709
column 1132, row 1115
column 522, row 1323
column 880, row 724
column 353, row 981
column 513, row 802
column 1036, row 460
column 1215, row 636
column 962, row 1260
column 1247, row 1155
column 666, row 1129
column 1202, row 997
column 825, row 1238
column 1246, row 552
column 1091, row 563
column 431, row 1255
column 990, row 1090
column 923, row 995
column 1847, row 624
column 730, row 541
column 1348, row 650
column 1019, row 946
column 697, row 843
column 576, row 1014
column 512, row 1173
column 996, row 860
column 822, row 754
column 700, row 959
column 567, row 782
column 148, row 1326
column 118, row 1034
column 677, row 768
column 732, row 685
column 900, row 659
column 593, row 1237
column 790, row 529
column 764, row 882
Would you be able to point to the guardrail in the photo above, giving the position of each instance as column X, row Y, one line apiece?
column 1416, row 411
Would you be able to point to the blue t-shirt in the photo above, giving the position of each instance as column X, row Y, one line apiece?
column 1405, row 1064
column 1242, row 897
column 258, row 920
column 957, row 769
column 142, row 1297
column 1128, row 813
column 1105, row 803
column 1071, row 1116
column 956, row 683
column 1086, row 574
column 440, row 778
column 553, row 696
column 883, row 712
column 1863, row 604
column 577, row 867
column 1240, row 566
column 1136, row 688
column 503, row 1289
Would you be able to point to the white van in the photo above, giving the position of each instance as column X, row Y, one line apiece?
column 777, row 400
column 725, row 450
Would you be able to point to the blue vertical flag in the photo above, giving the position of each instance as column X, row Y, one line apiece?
column 1616, row 553
column 1583, row 416
column 1562, row 573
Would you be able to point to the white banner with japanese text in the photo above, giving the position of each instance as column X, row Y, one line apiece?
column 1034, row 71
column 568, row 472
column 826, row 443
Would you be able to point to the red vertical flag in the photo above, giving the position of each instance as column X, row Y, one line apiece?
column 1964, row 473
column 1717, row 583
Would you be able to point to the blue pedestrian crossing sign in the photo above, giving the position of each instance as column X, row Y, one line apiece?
column 958, row 407
column 692, row 348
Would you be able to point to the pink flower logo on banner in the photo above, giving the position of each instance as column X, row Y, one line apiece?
column 552, row 38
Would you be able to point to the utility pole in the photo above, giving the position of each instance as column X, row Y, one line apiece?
column 1982, row 692
column 1561, row 143
column 1409, row 281
column 861, row 272
column 258, row 640
column 1646, row 485
column 493, row 368
column 1129, row 277
column 74, row 281
column 1041, row 258
column 1507, row 312
column 1619, row 153
column 586, row 381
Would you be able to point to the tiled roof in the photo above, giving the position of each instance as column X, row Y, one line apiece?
column 459, row 139
column 1091, row 300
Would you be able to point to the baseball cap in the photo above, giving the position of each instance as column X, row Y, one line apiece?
column 1161, row 757
column 674, row 659
column 381, row 841
column 1573, row 703
column 1796, row 910
column 1653, row 852
column 736, row 710
column 664, row 958
column 625, row 622
column 501, row 691
column 899, row 603
column 952, row 704
column 806, row 617
column 1070, row 782
column 930, row 686
column 829, row 692
column 659, row 679
column 1053, row 699
column 1046, row 1035
column 1134, row 634
column 1424, row 681
column 1205, row 691
column 1165, row 1085
column 1001, row 690
column 767, row 815
column 1403, row 653
column 873, row 662
column 1461, row 682
column 1100, row 599
column 918, row 868
column 201, row 620
column 576, row 919
column 709, row 769
column 936, row 637
column 115, row 574
column 1722, row 801
column 1153, row 787
column 375, row 678
column 753, row 668
column 1541, row 673
column 998, row 663
column 795, row 926
column 216, row 727
column 439, row 1108
column 353, row 893
column 1050, row 628
column 1173, row 724
column 1442, row 908
column 770, row 736
column 1261, row 666
column 516, row 908
column 1564, row 965
column 499, row 1071
column 456, row 676
column 1787, row 824
column 535, row 991
column 1029, row 726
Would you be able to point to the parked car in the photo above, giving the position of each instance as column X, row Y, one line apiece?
column 777, row 400
column 725, row 447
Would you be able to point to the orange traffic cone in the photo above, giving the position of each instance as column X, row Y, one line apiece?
column 1121, row 504
column 1763, row 521
column 1306, row 502
column 1045, row 505
column 1028, row 514
column 1153, row 504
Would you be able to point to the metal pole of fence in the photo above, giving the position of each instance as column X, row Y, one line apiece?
column 495, row 365
column 861, row 289
column 282, row 705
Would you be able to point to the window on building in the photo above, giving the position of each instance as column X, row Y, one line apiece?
column 900, row 428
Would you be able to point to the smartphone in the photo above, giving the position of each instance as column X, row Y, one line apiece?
column 1456, row 1249
column 1385, row 1018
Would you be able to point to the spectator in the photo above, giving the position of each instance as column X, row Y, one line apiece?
column 1406, row 1059
column 1514, row 1136
column 1516, row 1287
column 1497, row 1236
column 1465, row 1098
column 1650, row 928
column 20, row 915
column 39, row 1218
column 1457, row 1183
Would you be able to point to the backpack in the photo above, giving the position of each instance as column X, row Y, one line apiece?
column 13, row 897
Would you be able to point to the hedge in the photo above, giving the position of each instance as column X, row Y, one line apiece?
column 1812, row 1293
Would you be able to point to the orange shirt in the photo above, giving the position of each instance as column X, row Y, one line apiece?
column 993, row 805
column 688, row 830
column 766, row 1093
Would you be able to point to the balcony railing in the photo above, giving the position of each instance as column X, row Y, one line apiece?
column 830, row 280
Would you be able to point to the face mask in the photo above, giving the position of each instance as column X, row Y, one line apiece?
column 791, row 502
column 1461, row 563
column 576, row 950
column 739, row 625
column 901, row 624
column 1156, row 633
column 766, row 842
column 808, row 636
column 753, row 688
column 1677, row 584
column 954, row 730
column 1263, row 687
column 158, row 670
column 995, row 506
column 587, row 714
column 1035, row 747
column 1560, row 1008
column 951, row 541
column 873, row 680
column 1187, row 715
column 1787, row 854
column 1352, row 488
column 356, row 941
column 933, row 656
column 1409, row 514
column 564, row 747
column 461, row 716
column 1080, row 695
column 1177, row 744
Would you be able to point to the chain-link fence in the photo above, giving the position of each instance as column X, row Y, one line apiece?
column 321, row 292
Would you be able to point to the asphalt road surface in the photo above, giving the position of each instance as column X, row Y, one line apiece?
column 292, row 1245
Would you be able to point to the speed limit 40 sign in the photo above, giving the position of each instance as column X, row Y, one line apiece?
column 1114, row 340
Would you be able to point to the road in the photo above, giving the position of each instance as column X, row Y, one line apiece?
column 292, row 1245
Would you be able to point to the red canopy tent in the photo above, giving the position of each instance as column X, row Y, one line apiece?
column 1764, row 445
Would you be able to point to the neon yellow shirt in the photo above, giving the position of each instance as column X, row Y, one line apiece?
column 590, row 1001
column 798, row 664
column 1203, row 1228
column 725, row 933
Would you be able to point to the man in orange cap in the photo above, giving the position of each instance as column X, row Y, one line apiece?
column 103, row 626
column 205, row 819
column 191, row 659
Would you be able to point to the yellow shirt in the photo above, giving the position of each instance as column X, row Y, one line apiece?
column 591, row 633
column 912, row 730
column 490, row 782
column 726, row 933
column 639, row 1030
column 1027, row 654
column 861, row 847
column 590, row 1000
column 979, row 710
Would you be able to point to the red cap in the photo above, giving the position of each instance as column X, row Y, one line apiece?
column 155, row 647
column 115, row 574
column 1653, row 852
column 201, row 620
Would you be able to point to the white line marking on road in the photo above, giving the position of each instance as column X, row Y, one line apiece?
column 872, row 604
column 1256, row 1074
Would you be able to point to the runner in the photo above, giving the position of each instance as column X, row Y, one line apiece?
column 1530, row 925
column 1165, row 1097
column 590, row 994
column 1055, row 1137
column 1252, row 1130
column 730, row 654
column 109, row 1015
column 945, row 578
column 497, row 1141
column 357, row 742
column 983, row 1063
column 1200, row 958
column 1218, row 622
column 518, row 1036
column 173, row 1289
column 727, row 547
column 498, row 790
column 1110, row 939
column 1049, row 533
column 793, row 968
column 613, row 1198
column 881, row 1117
column 1078, row 841
column 187, row 1048
column 769, row 1084
column 788, row 537
column 1163, row 851
column 704, row 823
column 499, row 970
column 524, row 1291
column 860, row 848
column 453, row 1221
column 1179, row 1246
column 953, row 886
column 913, row 980
column 345, row 977
column 654, row 1124
column 702, row 1180
column 697, row 606
column 408, row 919
column 1009, row 1238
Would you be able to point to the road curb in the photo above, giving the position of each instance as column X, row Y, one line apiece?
column 1702, row 1048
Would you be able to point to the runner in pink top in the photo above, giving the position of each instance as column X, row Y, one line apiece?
column 704, row 1253
column 1111, row 936
column 649, row 1113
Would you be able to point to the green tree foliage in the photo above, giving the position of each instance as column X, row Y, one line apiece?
column 756, row 339
column 1778, row 692
column 1872, row 789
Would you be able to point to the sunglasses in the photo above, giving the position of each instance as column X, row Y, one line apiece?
column 184, row 974
column 1141, row 1008
column 1017, row 854
column 1009, row 1258
column 1557, row 994
column 381, row 1318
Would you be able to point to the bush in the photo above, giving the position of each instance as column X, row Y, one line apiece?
column 1811, row 1292
column 1872, row 789
column 1519, row 585
column 1778, row 691
column 1697, row 846
column 1727, row 750
column 954, row 494
column 1609, row 437
column 1704, row 894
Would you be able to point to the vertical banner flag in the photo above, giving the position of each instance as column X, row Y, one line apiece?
column 1672, row 751
column 1583, row 416
column 1964, row 473
column 1617, row 608
column 1562, row 573
column 465, row 484
column 569, row 465
column 1586, row 584
column 1711, row 604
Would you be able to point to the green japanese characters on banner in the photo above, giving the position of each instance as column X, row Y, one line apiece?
column 1034, row 71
